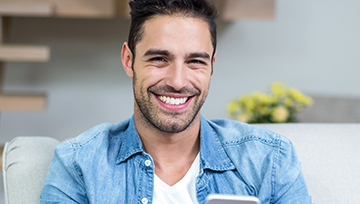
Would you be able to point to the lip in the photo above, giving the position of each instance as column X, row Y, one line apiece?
column 174, row 107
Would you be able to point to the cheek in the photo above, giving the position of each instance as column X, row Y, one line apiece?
column 149, row 77
column 200, row 80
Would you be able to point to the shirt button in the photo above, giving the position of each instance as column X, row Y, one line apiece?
column 147, row 163
column 144, row 200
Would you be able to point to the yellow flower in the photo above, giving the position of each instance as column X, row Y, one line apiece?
column 280, row 105
column 262, row 98
column 306, row 100
column 278, row 88
column 244, row 117
column 232, row 107
column 265, row 110
column 247, row 102
column 288, row 102
column 298, row 96
column 280, row 114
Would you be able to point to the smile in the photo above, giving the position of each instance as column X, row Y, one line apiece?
column 173, row 101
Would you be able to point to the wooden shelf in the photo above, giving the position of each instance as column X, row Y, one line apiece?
column 122, row 8
column 24, row 53
column 59, row 8
column 22, row 102
column 229, row 9
column 246, row 9
column 85, row 8
column 11, row 8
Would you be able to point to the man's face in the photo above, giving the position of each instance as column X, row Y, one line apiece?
column 171, row 71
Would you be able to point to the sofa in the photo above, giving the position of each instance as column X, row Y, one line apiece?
column 329, row 154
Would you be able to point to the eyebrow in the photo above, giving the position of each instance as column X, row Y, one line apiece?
column 153, row 52
column 203, row 55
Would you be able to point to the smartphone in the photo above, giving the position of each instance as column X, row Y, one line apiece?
column 231, row 199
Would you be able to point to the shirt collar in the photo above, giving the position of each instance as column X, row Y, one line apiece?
column 132, row 143
column 212, row 153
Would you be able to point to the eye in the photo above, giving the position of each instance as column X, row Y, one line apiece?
column 195, row 61
column 158, row 59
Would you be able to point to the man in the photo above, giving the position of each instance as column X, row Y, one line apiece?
column 166, row 152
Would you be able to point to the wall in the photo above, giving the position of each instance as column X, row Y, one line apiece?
column 311, row 45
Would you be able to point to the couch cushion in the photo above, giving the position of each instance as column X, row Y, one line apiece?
column 26, row 162
column 330, row 158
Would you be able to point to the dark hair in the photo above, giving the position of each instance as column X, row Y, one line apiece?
column 143, row 10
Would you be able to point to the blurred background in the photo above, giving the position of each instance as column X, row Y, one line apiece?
column 313, row 45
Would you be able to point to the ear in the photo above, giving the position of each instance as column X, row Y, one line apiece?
column 214, row 57
column 127, row 60
column 213, row 62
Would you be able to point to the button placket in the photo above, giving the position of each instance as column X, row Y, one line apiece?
column 144, row 201
column 146, row 186
column 147, row 162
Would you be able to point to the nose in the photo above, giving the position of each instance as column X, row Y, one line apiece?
column 177, row 76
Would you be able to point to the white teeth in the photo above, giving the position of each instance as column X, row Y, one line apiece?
column 172, row 101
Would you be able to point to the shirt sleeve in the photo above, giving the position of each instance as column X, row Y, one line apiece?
column 63, row 183
column 288, row 181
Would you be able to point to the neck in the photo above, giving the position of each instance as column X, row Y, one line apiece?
column 166, row 145
column 173, row 153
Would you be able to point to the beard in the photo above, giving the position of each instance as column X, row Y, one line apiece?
column 166, row 121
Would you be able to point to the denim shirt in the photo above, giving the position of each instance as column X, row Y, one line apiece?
column 107, row 164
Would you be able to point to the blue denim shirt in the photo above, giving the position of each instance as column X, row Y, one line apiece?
column 107, row 164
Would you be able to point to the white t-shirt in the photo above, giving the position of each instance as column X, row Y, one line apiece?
column 183, row 191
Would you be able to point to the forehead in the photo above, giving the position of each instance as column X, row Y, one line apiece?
column 176, row 33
